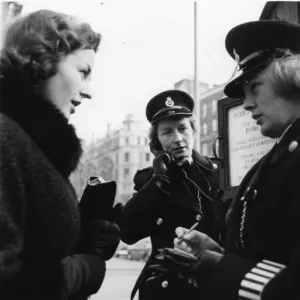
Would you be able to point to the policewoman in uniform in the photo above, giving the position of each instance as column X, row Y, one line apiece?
column 178, row 190
column 262, row 248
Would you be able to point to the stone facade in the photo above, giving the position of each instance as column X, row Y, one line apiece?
column 117, row 156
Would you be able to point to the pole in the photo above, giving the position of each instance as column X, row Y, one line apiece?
column 197, row 103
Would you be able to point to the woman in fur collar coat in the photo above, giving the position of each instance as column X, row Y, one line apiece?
column 46, row 64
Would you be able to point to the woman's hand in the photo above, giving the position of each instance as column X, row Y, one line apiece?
column 100, row 238
column 195, row 242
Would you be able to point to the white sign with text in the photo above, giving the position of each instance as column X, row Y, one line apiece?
column 246, row 144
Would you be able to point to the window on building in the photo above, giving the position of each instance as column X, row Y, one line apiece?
column 214, row 106
column 214, row 125
column 204, row 110
column 126, row 172
column 147, row 158
column 146, row 141
column 127, row 140
column 126, row 156
column 138, row 140
column 204, row 128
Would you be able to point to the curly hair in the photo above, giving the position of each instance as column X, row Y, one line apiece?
column 34, row 44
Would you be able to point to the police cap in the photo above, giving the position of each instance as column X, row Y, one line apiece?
column 169, row 103
column 254, row 44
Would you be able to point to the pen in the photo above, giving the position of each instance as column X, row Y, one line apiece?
column 192, row 228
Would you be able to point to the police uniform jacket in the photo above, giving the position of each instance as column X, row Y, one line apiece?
column 262, row 259
column 155, row 214
column 39, row 214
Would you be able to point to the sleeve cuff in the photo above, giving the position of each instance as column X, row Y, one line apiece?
column 227, row 276
column 84, row 273
column 255, row 281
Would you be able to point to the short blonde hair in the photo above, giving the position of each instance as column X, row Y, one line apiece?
column 284, row 74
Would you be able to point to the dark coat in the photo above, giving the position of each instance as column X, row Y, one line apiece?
column 270, row 230
column 39, row 215
column 155, row 214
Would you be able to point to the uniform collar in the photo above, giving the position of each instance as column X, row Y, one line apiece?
column 291, row 134
column 282, row 135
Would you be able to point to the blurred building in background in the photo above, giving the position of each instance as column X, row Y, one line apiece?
column 209, row 118
column 208, row 96
column 117, row 156
column 9, row 10
column 187, row 85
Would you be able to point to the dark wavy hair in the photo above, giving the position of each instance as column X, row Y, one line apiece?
column 34, row 44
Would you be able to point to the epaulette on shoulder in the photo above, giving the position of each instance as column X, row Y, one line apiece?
column 142, row 176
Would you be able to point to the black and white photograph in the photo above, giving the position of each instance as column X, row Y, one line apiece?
column 149, row 150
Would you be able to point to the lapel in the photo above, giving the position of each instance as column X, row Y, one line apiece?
column 250, row 180
column 246, row 191
column 185, row 189
column 285, row 145
column 272, row 157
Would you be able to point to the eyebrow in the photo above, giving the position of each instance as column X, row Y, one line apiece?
column 166, row 128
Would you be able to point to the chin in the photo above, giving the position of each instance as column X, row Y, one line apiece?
column 269, row 133
column 182, row 155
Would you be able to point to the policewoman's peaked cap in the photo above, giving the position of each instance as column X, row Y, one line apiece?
column 169, row 103
column 254, row 44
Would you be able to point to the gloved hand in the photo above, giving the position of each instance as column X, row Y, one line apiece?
column 101, row 238
column 162, row 164
column 167, row 262
column 200, row 270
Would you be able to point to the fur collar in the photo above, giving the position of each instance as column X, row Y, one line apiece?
column 47, row 126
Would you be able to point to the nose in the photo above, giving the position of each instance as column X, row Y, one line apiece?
column 249, row 102
column 177, row 137
column 86, row 91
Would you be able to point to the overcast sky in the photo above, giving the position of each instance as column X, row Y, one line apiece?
column 147, row 46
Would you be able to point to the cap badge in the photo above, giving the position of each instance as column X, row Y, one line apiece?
column 236, row 57
column 169, row 102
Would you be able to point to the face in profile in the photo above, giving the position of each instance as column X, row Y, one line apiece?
column 272, row 112
column 177, row 136
column 71, row 84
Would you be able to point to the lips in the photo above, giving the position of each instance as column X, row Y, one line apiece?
column 256, row 117
column 179, row 149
